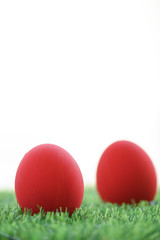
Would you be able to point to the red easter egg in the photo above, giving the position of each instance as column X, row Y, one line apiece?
column 125, row 173
column 50, row 178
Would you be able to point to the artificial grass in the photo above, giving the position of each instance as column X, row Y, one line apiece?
column 93, row 221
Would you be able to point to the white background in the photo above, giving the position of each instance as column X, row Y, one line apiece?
column 81, row 75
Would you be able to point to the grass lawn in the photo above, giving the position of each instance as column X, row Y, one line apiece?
column 94, row 220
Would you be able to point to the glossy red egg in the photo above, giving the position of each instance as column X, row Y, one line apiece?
column 50, row 178
column 125, row 174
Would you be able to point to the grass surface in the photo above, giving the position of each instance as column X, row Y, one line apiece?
column 94, row 220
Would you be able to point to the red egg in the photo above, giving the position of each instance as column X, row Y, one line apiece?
column 125, row 174
column 50, row 178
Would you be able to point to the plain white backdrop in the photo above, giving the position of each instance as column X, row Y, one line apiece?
column 79, row 74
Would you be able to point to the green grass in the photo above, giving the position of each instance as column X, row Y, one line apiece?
column 93, row 221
